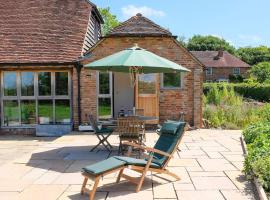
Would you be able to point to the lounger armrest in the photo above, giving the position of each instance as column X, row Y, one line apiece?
column 149, row 149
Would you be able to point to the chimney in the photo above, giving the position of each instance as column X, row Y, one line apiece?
column 219, row 55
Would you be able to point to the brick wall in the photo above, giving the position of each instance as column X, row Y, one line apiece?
column 224, row 72
column 172, row 102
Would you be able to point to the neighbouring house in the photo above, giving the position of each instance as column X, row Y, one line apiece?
column 40, row 43
column 221, row 66
column 164, row 96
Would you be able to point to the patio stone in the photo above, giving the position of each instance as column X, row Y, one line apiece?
column 9, row 195
column 76, row 195
column 206, row 174
column 47, row 178
column 40, row 192
column 216, row 165
column 183, row 186
column 239, row 179
column 195, row 195
column 164, row 191
column 239, row 195
column 124, row 195
column 69, row 178
column 183, row 163
column 212, row 183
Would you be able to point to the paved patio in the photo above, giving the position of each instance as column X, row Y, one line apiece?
column 210, row 164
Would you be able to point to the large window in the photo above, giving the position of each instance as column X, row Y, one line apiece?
column 172, row 80
column 104, row 95
column 31, row 98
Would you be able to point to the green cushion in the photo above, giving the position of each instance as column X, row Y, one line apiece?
column 103, row 166
column 167, row 142
column 169, row 128
column 104, row 131
column 135, row 161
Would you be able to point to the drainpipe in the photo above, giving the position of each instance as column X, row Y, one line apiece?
column 79, row 68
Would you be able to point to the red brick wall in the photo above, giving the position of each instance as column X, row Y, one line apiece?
column 224, row 72
column 172, row 102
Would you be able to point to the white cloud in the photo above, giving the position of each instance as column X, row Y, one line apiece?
column 251, row 38
column 131, row 10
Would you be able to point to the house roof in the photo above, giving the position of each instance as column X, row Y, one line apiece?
column 139, row 25
column 38, row 31
column 219, row 59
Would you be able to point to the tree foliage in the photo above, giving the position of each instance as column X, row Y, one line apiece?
column 208, row 43
column 254, row 55
column 261, row 72
column 110, row 20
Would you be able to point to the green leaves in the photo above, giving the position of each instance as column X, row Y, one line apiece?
column 209, row 43
column 261, row 72
column 110, row 20
column 254, row 55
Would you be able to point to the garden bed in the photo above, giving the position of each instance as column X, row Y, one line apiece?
column 257, row 160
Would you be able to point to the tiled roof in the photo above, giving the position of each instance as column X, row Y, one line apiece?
column 211, row 59
column 139, row 26
column 43, row 31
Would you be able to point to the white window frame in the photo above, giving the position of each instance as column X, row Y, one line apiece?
column 104, row 95
column 207, row 73
column 36, row 97
column 172, row 88
column 238, row 71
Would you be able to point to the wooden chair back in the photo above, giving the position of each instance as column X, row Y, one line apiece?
column 93, row 123
column 129, row 126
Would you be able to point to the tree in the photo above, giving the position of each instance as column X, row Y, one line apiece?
column 181, row 40
column 254, row 55
column 261, row 72
column 110, row 20
column 208, row 43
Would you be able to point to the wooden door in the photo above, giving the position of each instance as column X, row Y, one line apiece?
column 147, row 91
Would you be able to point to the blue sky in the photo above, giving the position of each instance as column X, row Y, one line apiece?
column 241, row 22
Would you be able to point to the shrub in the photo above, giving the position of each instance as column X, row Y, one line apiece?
column 261, row 169
column 256, row 91
column 260, row 148
column 254, row 130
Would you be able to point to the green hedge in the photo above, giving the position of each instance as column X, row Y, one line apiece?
column 256, row 91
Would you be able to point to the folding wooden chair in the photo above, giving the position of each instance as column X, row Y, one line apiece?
column 102, row 134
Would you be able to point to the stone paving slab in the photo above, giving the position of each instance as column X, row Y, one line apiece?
column 209, row 164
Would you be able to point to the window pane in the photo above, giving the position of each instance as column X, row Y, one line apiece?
column 28, row 111
column 27, row 83
column 45, row 111
column 11, row 112
column 62, row 111
column 44, row 83
column 61, row 83
column 104, row 108
column 172, row 80
column 104, row 83
column 147, row 84
column 10, row 86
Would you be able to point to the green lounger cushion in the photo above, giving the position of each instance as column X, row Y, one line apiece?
column 103, row 166
column 167, row 142
column 135, row 161
column 169, row 127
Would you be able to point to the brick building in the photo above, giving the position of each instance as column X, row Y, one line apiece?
column 220, row 65
column 46, row 90
column 173, row 93
column 40, row 43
